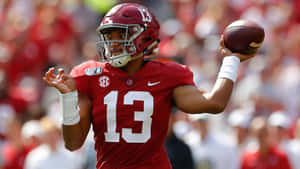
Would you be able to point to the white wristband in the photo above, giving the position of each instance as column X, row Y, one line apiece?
column 229, row 68
column 70, row 108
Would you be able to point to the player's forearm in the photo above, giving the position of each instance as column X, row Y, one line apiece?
column 192, row 100
column 222, row 89
column 76, row 119
column 220, row 95
column 73, row 136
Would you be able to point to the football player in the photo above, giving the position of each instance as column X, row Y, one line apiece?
column 128, row 99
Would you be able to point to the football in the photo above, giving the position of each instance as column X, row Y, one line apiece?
column 243, row 36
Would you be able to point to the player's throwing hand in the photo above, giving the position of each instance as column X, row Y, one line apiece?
column 226, row 52
column 61, row 82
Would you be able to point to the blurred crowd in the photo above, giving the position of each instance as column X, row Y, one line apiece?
column 260, row 124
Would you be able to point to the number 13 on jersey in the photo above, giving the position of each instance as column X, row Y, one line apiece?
column 111, row 100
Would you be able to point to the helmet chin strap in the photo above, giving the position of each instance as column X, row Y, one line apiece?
column 146, row 51
column 122, row 61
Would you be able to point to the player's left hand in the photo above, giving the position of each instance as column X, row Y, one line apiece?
column 226, row 52
column 62, row 82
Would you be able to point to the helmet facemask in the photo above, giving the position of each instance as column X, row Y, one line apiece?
column 118, row 52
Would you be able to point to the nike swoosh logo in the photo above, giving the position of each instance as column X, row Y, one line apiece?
column 153, row 84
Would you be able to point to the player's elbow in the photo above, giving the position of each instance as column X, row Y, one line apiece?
column 73, row 147
column 216, row 105
column 212, row 105
column 212, row 109
column 215, row 108
column 219, row 106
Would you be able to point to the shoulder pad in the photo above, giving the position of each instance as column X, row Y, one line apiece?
column 93, row 71
column 88, row 68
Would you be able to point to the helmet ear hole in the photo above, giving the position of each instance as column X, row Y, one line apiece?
column 151, row 48
column 147, row 52
column 147, row 39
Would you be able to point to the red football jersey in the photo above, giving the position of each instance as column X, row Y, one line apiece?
column 130, row 114
column 14, row 158
column 273, row 159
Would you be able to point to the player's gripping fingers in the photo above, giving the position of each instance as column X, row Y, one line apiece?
column 49, row 74
column 244, row 57
column 60, row 75
column 66, row 78
column 47, row 81
column 63, row 78
column 54, row 80
column 49, row 77
column 62, row 82
column 222, row 43
column 51, row 82
column 224, row 51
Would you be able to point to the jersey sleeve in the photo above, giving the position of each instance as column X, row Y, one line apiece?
column 179, row 75
column 81, row 79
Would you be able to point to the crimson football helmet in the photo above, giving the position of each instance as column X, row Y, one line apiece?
column 141, row 30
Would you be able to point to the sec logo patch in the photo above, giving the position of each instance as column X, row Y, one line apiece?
column 104, row 81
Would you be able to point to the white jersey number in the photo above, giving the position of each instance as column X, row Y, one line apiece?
column 111, row 100
column 146, row 15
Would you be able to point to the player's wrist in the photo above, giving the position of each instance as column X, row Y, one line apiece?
column 229, row 68
column 69, row 107
column 232, row 57
column 66, row 91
